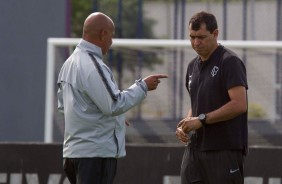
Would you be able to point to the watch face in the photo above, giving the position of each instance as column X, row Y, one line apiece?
column 202, row 116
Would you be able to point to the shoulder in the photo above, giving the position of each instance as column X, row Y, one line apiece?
column 192, row 62
column 230, row 57
column 229, row 54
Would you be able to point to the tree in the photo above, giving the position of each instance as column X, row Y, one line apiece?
column 126, row 28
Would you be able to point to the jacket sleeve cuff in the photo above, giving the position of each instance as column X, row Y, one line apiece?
column 140, row 82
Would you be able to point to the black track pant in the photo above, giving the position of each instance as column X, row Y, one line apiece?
column 90, row 170
column 212, row 167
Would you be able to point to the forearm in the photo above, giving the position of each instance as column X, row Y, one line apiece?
column 236, row 106
column 189, row 114
column 127, row 99
column 226, row 112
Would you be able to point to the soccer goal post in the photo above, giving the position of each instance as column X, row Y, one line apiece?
column 261, row 46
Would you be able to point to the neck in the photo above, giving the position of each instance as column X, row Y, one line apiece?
column 206, row 57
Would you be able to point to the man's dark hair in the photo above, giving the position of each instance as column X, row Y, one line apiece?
column 203, row 18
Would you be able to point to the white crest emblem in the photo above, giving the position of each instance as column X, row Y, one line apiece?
column 214, row 71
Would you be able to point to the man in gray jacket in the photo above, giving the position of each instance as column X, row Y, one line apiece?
column 94, row 107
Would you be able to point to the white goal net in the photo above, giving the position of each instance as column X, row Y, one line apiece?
column 132, row 58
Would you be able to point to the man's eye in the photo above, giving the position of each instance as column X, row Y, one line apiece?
column 198, row 37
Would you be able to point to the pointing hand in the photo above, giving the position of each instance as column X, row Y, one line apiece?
column 152, row 81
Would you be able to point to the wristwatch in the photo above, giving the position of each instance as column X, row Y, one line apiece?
column 202, row 118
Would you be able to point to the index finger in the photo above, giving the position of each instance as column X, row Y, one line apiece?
column 159, row 76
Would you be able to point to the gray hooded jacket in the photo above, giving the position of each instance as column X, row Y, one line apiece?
column 93, row 106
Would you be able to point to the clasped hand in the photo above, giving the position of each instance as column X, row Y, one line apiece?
column 185, row 126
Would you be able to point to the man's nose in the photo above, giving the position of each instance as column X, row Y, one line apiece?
column 197, row 41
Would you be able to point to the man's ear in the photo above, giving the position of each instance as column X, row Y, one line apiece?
column 215, row 33
column 102, row 34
